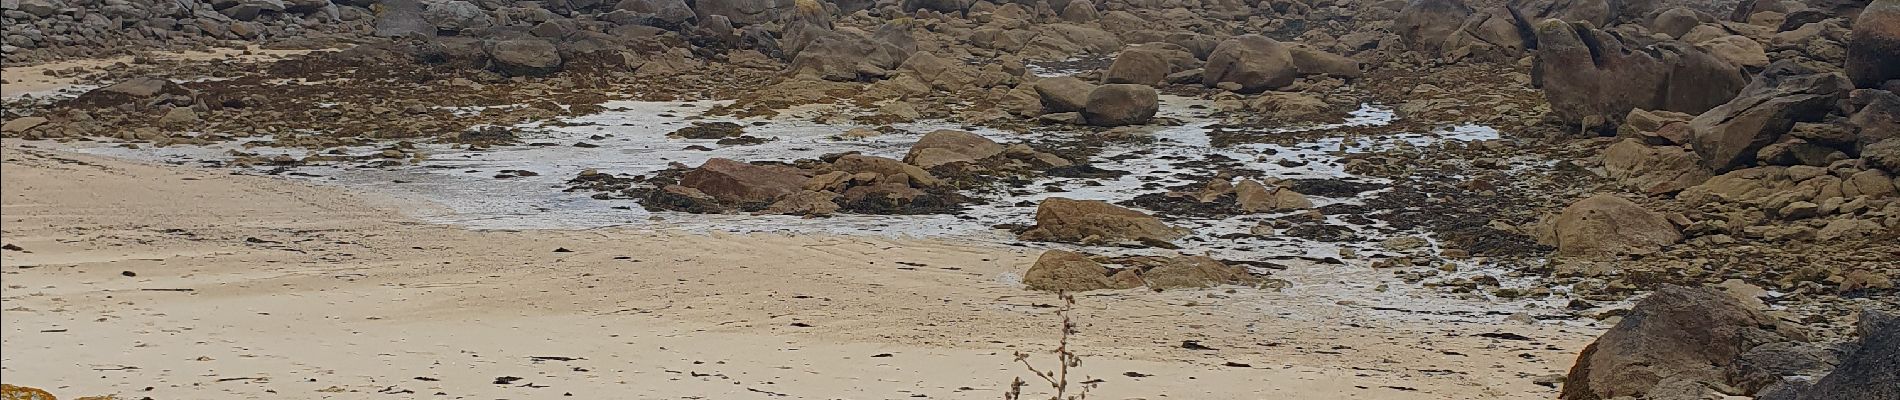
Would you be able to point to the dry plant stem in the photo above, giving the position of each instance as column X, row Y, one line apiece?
column 1058, row 379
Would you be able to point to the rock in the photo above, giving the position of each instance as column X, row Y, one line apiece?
column 744, row 12
column 943, row 74
column 1869, row 371
column 1592, row 78
column 1287, row 106
column 805, row 202
column 746, row 185
column 1731, row 135
column 525, row 57
column 1080, row 12
column 1678, row 21
column 1063, row 94
column 1736, row 50
column 947, row 6
column 1877, row 115
column 1121, row 104
column 178, row 118
column 1844, row 229
column 885, row 167
column 456, row 16
column 1596, row 12
column 1605, row 225
column 1767, row 364
column 143, row 91
column 22, row 124
column 1654, row 170
column 1090, row 221
column 1674, row 339
column 1255, row 197
column 674, row 13
column 38, row 8
column 1873, row 50
column 1656, row 127
column 1310, row 61
column 1497, row 34
column 1147, row 64
column 1425, row 24
column 1884, row 155
column 1067, row 271
column 945, row 146
column 246, row 10
column 837, row 56
column 1195, row 272
column 1254, row 62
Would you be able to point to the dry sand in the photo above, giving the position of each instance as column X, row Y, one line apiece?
column 187, row 283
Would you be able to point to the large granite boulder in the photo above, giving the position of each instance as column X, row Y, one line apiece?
column 1425, row 24
column 1121, row 104
column 945, row 146
column 1605, row 225
column 1592, row 78
column 1676, row 340
column 1873, row 50
column 746, row 185
column 1252, row 63
column 1091, row 221
column 1731, row 135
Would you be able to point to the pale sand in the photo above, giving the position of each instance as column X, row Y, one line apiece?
column 32, row 79
column 313, row 292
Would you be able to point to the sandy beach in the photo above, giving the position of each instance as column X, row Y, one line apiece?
column 141, row 280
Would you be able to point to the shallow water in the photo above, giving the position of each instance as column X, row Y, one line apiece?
column 631, row 139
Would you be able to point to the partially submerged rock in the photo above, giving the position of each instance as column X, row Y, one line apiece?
column 746, row 185
column 1091, row 221
column 1121, row 104
column 945, row 146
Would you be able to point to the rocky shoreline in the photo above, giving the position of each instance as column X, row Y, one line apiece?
column 1629, row 147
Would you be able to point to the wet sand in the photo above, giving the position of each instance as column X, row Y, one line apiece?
column 177, row 282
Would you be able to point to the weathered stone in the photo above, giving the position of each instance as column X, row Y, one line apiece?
column 525, row 57
column 22, row 124
column 1255, row 197
column 1869, row 371
column 1873, row 50
column 1425, row 24
column 1730, row 135
column 1091, row 221
column 1067, row 271
column 1593, row 78
column 885, row 167
column 1195, row 272
column 945, row 146
column 1677, row 337
column 744, row 184
column 1121, row 104
column 1254, row 62
column 1605, row 225
column 457, row 15
column 1654, row 169
column 1063, row 94
column 1310, row 61
column 806, row 202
